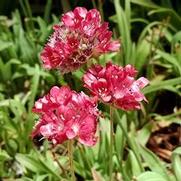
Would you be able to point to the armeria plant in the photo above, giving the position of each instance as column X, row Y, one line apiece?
column 64, row 114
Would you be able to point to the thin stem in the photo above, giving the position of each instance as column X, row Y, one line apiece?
column 94, row 4
column 69, row 79
column 65, row 5
column 111, row 144
column 100, row 4
column 70, row 154
column 59, row 164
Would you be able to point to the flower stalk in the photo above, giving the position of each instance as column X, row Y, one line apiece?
column 111, row 143
column 70, row 155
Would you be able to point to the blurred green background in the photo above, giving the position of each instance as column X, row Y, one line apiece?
column 146, row 142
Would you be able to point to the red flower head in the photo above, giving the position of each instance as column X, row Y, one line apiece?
column 116, row 85
column 79, row 36
column 65, row 114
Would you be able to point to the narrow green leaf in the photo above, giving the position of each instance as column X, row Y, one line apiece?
column 144, row 134
column 124, row 24
column 142, row 52
column 47, row 10
column 153, row 162
column 166, row 10
column 145, row 3
column 176, row 162
column 29, row 163
column 161, row 85
column 119, row 136
column 40, row 177
column 128, row 10
column 119, row 141
column 134, row 164
column 4, row 155
column 150, row 176
column 4, row 45
column 171, row 59
column 176, row 38
column 34, row 86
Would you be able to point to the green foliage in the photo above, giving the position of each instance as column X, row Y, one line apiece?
column 155, row 52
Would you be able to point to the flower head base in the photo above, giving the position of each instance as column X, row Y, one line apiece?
column 78, row 37
column 65, row 114
column 116, row 85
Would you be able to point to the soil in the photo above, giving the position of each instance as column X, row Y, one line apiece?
column 164, row 140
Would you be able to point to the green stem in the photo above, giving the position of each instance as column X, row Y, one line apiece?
column 65, row 5
column 58, row 163
column 70, row 154
column 94, row 4
column 101, row 9
column 111, row 144
column 69, row 79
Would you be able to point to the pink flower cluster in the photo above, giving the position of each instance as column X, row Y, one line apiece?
column 65, row 114
column 79, row 36
column 116, row 85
